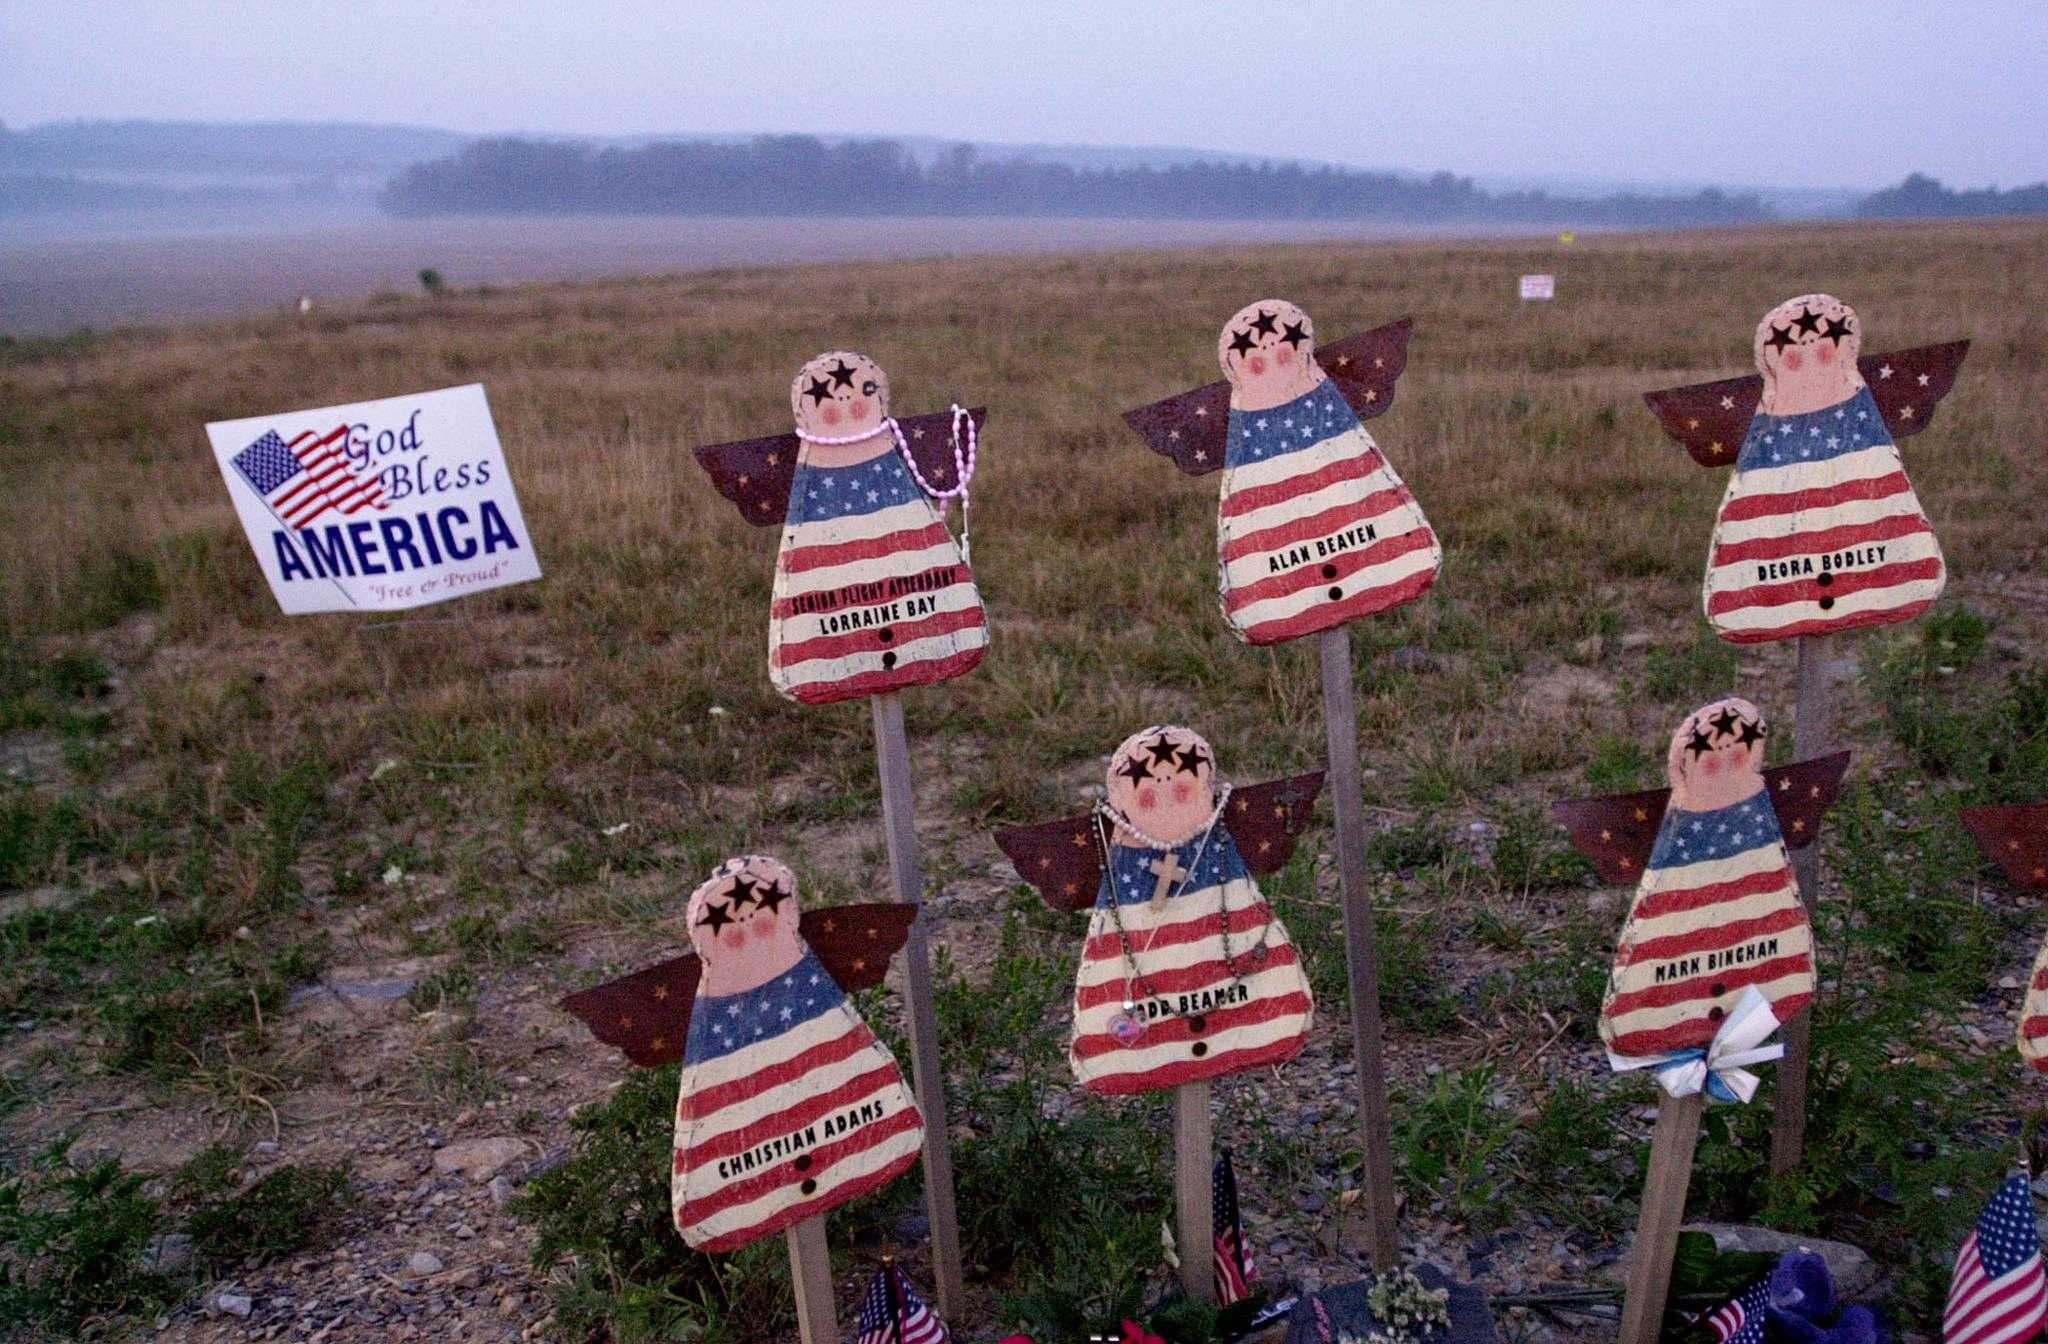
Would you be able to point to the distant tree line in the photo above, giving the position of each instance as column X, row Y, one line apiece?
column 804, row 175
column 1922, row 197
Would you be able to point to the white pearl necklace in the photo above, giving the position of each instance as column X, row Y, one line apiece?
column 963, row 465
column 1125, row 824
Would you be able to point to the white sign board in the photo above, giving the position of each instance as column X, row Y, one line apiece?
column 1539, row 287
column 378, row 506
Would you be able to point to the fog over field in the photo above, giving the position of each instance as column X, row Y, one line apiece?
column 55, row 283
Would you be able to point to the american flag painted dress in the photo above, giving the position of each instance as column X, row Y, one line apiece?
column 1201, row 1021
column 1717, row 910
column 788, row 1107
column 1314, row 528
column 2033, row 1032
column 871, row 593
column 1820, row 530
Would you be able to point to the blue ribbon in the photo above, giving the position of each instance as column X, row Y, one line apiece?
column 1697, row 1054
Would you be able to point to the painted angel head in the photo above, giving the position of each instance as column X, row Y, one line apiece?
column 1806, row 349
column 1268, row 353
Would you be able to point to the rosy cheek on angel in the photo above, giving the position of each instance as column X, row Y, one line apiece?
column 1710, row 764
column 1283, row 355
column 1255, row 363
column 1790, row 361
column 1823, row 353
column 829, row 413
column 856, row 408
column 735, row 937
column 1183, row 792
column 1148, row 799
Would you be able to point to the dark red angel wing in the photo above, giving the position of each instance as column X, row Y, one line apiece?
column 2015, row 838
column 1618, row 831
column 1063, row 858
column 1802, row 792
column 1710, row 419
column 1365, row 367
column 1907, row 383
column 646, row 1014
column 856, row 941
column 930, row 438
column 1191, row 427
column 755, row 474
column 1267, row 819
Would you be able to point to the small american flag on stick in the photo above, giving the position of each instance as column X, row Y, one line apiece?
column 1741, row 1321
column 1999, row 1294
column 893, row 1313
column 306, row 477
column 1234, row 1270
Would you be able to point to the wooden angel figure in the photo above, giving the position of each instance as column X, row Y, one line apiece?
column 2016, row 839
column 1314, row 528
column 872, row 594
column 1186, row 974
column 1717, row 912
column 1820, row 530
column 788, row 1105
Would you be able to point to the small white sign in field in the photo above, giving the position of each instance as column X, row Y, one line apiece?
column 1539, row 287
column 377, row 506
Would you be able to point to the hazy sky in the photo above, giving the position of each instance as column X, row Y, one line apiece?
column 1766, row 92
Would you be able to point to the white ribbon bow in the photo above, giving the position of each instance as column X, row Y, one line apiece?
column 1718, row 1068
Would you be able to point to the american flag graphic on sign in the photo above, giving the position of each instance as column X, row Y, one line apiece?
column 1820, row 530
column 306, row 477
column 1717, row 911
column 871, row 592
column 893, row 1313
column 1999, row 1294
column 1203, row 1019
column 1741, row 1321
column 788, row 1106
column 1314, row 529
column 1234, row 1270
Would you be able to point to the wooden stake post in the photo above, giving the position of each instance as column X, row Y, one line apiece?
column 1664, row 1190
column 899, row 817
column 1361, row 950
column 1194, row 1166
column 1813, row 737
column 810, row 1274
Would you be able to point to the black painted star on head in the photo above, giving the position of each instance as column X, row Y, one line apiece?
column 1781, row 337
column 1295, row 333
column 1751, row 733
column 1134, row 769
column 1698, row 744
column 1160, row 749
column 1265, row 323
column 716, row 915
column 818, row 390
column 842, row 374
column 1241, row 342
column 745, row 892
column 771, row 897
column 1808, row 322
column 1835, row 328
column 1724, row 722
column 1190, row 759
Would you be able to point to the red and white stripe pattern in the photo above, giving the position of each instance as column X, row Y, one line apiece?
column 1999, row 1294
column 1718, row 910
column 2033, row 1034
column 799, row 1116
column 1314, row 528
column 1820, row 530
column 1201, row 1021
column 871, row 592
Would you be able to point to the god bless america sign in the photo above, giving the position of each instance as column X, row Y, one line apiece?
column 377, row 506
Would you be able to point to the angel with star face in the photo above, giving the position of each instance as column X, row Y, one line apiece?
column 1717, row 909
column 872, row 593
column 1314, row 527
column 1186, row 974
column 788, row 1104
column 1819, row 530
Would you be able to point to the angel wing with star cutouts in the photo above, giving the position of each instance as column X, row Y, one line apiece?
column 2016, row 839
column 1618, row 831
column 647, row 1014
column 1063, row 859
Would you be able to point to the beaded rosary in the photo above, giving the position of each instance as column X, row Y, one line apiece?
column 963, row 465
column 1128, row 1026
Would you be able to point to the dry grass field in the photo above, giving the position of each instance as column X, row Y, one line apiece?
column 207, row 808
